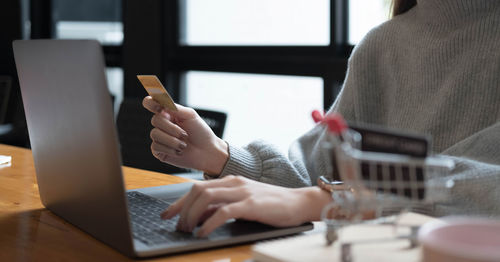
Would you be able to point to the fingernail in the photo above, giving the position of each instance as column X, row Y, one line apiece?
column 166, row 115
column 184, row 136
column 165, row 214
column 182, row 145
column 178, row 152
column 200, row 233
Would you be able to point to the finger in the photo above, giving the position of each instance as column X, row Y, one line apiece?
column 151, row 105
column 162, row 152
column 235, row 210
column 168, row 127
column 208, row 213
column 183, row 113
column 161, row 156
column 196, row 190
column 177, row 206
column 160, row 137
column 209, row 197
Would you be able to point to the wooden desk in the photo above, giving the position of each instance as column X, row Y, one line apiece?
column 29, row 232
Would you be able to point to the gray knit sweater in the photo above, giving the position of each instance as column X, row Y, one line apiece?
column 434, row 70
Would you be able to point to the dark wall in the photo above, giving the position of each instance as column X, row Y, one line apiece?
column 143, row 48
column 10, row 28
column 12, row 119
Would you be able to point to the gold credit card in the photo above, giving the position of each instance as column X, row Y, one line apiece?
column 156, row 90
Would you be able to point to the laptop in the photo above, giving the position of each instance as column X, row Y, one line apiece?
column 78, row 164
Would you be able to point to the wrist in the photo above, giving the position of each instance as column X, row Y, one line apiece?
column 220, row 156
column 314, row 199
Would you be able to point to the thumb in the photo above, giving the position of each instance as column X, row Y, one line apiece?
column 182, row 113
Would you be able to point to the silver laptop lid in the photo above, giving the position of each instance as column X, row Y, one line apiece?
column 73, row 138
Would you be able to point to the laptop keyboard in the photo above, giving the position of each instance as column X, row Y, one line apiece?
column 150, row 229
column 147, row 226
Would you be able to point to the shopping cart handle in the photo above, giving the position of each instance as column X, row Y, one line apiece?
column 317, row 116
column 334, row 121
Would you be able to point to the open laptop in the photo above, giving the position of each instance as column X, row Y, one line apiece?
column 77, row 160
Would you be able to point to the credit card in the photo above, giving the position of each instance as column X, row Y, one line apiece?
column 156, row 90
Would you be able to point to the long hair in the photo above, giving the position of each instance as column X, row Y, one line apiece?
column 401, row 6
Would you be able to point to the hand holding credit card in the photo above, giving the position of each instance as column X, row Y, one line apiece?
column 156, row 90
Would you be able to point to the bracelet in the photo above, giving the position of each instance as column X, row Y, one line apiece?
column 340, row 193
column 330, row 186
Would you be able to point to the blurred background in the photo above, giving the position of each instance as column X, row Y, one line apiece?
column 263, row 64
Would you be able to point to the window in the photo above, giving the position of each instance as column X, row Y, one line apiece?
column 256, row 22
column 94, row 19
column 107, row 33
column 114, row 76
column 267, row 63
column 364, row 15
column 269, row 107
column 274, row 58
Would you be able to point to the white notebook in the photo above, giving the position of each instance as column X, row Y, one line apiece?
column 312, row 247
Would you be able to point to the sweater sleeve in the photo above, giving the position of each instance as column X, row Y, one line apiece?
column 263, row 162
column 306, row 160
column 476, row 175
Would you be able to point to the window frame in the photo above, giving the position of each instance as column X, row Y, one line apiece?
column 168, row 59
column 328, row 62
column 41, row 15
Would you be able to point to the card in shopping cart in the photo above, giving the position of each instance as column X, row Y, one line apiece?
column 393, row 141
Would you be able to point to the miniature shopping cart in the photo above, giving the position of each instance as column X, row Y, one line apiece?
column 376, row 182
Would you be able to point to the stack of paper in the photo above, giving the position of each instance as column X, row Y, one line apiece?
column 370, row 243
